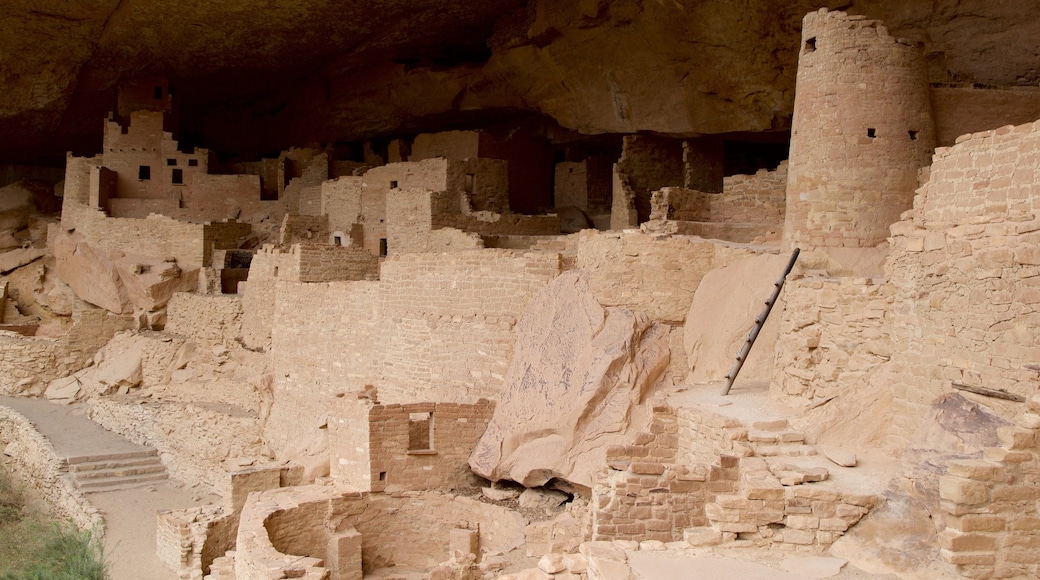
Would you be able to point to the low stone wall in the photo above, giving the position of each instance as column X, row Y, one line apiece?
column 35, row 462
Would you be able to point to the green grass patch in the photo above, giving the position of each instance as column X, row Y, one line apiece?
column 35, row 547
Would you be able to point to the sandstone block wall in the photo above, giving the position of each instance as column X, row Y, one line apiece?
column 834, row 336
column 646, row 495
column 646, row 165
column 293, row 527
column 435, row 327
column 304, row 229
column 417, row 446
column 209, row 319
column 761, row 197
column 655, row 276
column 30, row 363
column 862, row 128
column 990, row 505
column 965, row 268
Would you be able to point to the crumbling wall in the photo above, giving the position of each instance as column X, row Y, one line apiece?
column 761, row 197
column 646, row 165
column 862, row 128
column 833, row 337
column 341, row 202
column 304, row 229
column 209, row 319
column 645, row 495
column 990, row 508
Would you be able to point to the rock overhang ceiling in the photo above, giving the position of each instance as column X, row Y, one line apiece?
column 257, row 76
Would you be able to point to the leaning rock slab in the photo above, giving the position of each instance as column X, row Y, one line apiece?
column 578, row 377
column 90, row 273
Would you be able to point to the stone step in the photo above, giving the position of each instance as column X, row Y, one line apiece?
column 119, row 471
column 111, row 456
column 118, row 483
column 134, row 462
column 796, row 450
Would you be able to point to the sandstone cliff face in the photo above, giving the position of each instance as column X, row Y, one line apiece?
column 578, row 378
column 257, row 78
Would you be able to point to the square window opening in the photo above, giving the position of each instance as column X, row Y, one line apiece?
column 393, row 185
column 177, row 176
column 382, row 476
column 913, row 135
column 810, row 45
column 144, row 172
column 337, row 240
column 193, row 163
column 871, row 132
column 171, row 162
column 420, row 431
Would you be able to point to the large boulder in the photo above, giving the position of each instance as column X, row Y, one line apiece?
column 117, row 282
column 577, row 381
column 724, row 309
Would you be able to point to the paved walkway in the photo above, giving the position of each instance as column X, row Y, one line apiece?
column 129, row 514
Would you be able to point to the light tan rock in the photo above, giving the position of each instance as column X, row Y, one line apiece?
column 18, row 258
column 116, row 282
column 90, row 273
column 578, row 376
column 839, row 456
column 722, row 313
column 542, row 498
column 121, row 370
column 67, row 388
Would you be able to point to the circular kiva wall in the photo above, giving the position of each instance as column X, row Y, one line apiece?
column 862, row 129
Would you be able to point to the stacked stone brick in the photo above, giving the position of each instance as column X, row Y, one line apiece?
column 990, row 503
column 645, row 495
column 381, row 447
column 862, row 128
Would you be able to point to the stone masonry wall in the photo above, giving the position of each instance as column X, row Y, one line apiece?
column 965, row 267
column 862, row 128
column 416, row 446
column 990, row 505
column 834, row 337
column 209, row 319
column 435, row 327
column 37, row 465
column 645, row 494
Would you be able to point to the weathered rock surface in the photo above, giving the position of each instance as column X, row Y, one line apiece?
column 725, row 67
column 723, row 311
column 576, row 382
column 116, row 282
column 18, row 258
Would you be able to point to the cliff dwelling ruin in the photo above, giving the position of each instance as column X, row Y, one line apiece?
column 452, row 291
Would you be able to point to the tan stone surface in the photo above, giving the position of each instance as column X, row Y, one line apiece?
column 723, row 311
column 575, row 384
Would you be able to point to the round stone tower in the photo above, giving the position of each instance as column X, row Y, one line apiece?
column 862, row 129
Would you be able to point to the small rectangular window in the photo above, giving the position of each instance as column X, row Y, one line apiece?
column 393, row 185
column 193, row 163
column 177, row 177
column 171, row 162
column 913, row 135
column 337, row 240
column 382, row 248
column 872, row 132
column 420, row 431
column 469, row 182
column 158, row 93
column 144, row 172
column 810, row 45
